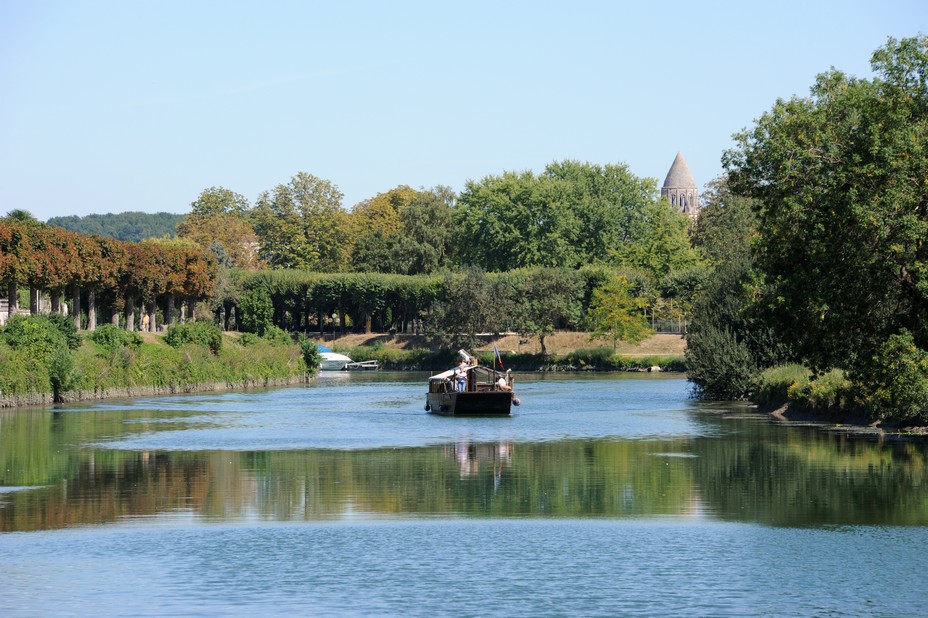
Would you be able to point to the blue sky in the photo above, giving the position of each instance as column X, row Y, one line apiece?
column 116, row 106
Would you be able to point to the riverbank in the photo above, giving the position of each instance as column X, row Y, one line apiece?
column 565, row 351
column 45, row 400
column 560, row 343
column 142, row 365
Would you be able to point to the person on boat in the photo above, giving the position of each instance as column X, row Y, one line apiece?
column 460, row 376
column 501, row 383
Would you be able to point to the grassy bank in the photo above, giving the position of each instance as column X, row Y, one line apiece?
column 147, row 365
column 794, row 393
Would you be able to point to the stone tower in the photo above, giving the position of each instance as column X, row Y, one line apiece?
column 680, row 188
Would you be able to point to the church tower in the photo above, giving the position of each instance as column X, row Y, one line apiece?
column 680, row 188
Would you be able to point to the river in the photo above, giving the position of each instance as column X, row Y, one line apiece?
column 602, row 495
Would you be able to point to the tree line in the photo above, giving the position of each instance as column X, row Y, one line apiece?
column 94, row 273
column 535, row 233
column 127, row 226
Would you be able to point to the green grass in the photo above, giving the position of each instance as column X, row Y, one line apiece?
column 104, row 367
column 796, row 384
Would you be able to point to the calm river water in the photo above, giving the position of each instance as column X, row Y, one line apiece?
column 603, row 495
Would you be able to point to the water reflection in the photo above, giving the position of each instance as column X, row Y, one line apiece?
column 738, row 469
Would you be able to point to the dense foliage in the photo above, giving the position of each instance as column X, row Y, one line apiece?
column 839, row 274
column 126, row 226
column 94, row 270
column 199, row 333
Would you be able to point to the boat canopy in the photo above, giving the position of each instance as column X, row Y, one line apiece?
column 444, row 375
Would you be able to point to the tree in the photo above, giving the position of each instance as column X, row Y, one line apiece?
column 513, row 221
column 126, row 226
column 608, row 201
column 659, row 243
column 842, row 206
column 302, row 225
column 471, row 304
column 570, row 215
column 545, row 297
column 219, row 221
column 416, row 241
column 726, row 225
column 616, row 314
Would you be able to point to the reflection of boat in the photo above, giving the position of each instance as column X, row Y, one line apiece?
column 332, row 361
column 486, row 391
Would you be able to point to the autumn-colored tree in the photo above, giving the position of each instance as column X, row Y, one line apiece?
column 220, row 221
column 15, row 252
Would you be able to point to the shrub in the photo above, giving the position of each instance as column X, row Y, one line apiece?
column 596, row 358
column 35, row 336
column 277, row 336
column 775, row 384
column 311, row 355
column 60, row 371
column 201, row 333
column 257, row 311
column 65, row 325
column 719, row 364
column 111, row 337
column 248, row 339
column 896, row 385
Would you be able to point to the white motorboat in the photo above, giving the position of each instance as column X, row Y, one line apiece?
column 332, row 361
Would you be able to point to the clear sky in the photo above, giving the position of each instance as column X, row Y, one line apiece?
column 126, row 105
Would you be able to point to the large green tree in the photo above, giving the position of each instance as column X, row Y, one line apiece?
column 419, row 244
column 302, row 225
column 571, row 214
column 841, row 183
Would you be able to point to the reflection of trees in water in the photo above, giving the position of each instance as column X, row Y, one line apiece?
column 803, row 476
column 749, row 471
column 105, row 486
column 560, row 479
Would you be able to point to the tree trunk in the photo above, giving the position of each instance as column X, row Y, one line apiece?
column 12, row 299
column 169, row 317
column 130, row 313
column 152, row 312
column 56, row 302
column 34, row 300
column 192, row 310
column 91, row 309
column 76, row 306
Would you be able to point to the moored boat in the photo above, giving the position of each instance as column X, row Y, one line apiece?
column 332, row 361
column 482, row 391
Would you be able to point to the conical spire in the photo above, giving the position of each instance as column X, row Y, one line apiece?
column 679, row 176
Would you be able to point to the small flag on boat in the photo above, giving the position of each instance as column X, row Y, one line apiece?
column 498, row 357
